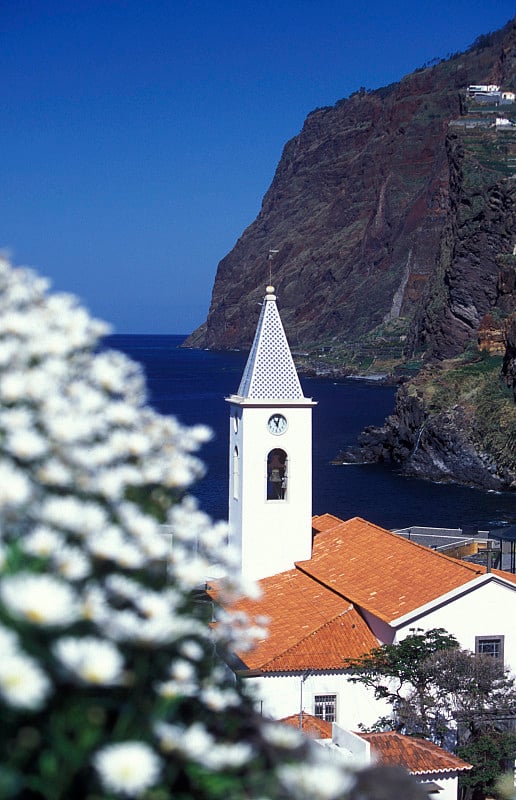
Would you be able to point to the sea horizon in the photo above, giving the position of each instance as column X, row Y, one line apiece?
column 191, row 384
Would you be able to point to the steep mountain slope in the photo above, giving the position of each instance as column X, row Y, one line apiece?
column 357, row 210
column 394, row 217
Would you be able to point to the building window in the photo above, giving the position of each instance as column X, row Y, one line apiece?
column 489, row 646
column 277, row 474
column 236, row 473
column 325, row 707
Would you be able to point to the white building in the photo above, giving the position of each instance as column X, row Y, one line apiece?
column 437, row 769
column 270, row 455
column 332, row 589
column 364, row 586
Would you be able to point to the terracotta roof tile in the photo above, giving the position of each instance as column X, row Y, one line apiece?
column 418, row 756
column 381, row 571
column 325, row 522
column 313, row 726
column 313, row 610
column 309, row 626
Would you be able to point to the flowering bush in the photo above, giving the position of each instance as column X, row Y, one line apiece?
column 112, row 681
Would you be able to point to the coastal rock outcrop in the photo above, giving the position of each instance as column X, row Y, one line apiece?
column 440, row 445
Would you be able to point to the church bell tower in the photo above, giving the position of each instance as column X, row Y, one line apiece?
column 270, row 455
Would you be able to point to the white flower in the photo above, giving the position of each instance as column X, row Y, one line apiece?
column 222, row 756
column 194, row 741
column 8, row 641
column 95, row 606
column 112, row 483
column 128, row 626
column 42, row 542
column 26, row 444
column 182, row 670
column 171, row 689
column 282, row 735
column 129, row 768
column 192, row 650
column 112, row 545
column 54, row 473
column 16, row 418
column 73, row 514
column 72, row 563
column 13, row 387
column 40, row 599
column 91, row 659
column 319, row 782
column 15, row 488
column 22, row 682
column 219, row 699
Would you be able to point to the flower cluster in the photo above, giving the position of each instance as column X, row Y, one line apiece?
column 111, row 675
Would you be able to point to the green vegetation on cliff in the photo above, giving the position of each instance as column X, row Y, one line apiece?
column 472, row 382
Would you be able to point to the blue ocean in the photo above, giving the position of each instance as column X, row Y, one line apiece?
column 192, row 385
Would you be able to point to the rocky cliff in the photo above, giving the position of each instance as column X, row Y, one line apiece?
column 394, row 217
column 454, row 422
column 357, row 210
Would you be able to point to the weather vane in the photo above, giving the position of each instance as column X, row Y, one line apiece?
column 271, row 255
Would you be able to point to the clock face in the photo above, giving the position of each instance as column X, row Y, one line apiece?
column 277, row 424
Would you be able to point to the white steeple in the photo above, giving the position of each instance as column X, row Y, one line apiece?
column 270, row 455
column 270, row 371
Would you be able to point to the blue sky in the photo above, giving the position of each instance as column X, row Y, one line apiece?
column 139, row 136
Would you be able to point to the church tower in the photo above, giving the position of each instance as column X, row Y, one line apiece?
column 270, row 455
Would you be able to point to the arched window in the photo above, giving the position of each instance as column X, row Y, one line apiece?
column 236, row 473
column 277, row 474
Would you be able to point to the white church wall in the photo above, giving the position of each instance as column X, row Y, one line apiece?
column 280, row 696
column 449, row 786
column 382, row 630
column 487, row 611
column 274, row 532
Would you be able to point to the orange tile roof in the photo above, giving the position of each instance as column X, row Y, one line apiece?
column 309, row 627
column 312, row 726
column 381, row 571
column 314, row 610
column 417, row 756
column 325, row 522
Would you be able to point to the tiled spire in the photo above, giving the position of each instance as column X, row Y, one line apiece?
column 270, row 373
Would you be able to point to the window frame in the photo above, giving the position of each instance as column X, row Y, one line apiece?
column 236, row 473
column 328, row 701
column 277, row 494
column 499, row 638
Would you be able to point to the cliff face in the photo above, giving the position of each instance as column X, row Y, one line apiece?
column 357, row 209
column 509, row 362
column 395, row 211
column 471, row 280
column 455, row 422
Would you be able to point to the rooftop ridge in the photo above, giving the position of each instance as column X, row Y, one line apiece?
column 352, row 585
column 476, row 569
